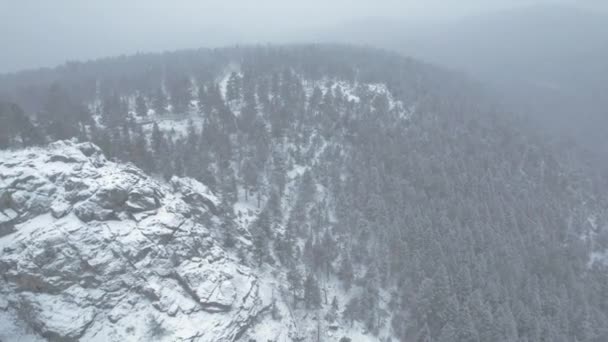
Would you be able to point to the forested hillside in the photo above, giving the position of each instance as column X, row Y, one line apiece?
column 384, row 196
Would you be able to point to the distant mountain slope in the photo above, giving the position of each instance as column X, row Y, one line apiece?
column 554, row 44
column 547, row 61
column 550, row 61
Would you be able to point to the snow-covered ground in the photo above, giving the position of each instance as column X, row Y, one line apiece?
column 102, row 252
column 96, row 250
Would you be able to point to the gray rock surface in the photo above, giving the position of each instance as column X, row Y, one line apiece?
column 98, row 251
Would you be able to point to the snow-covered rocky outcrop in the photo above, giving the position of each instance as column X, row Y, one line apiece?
column 98, row 251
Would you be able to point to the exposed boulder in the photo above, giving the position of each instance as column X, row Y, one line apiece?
column 94, row 246
column 196, row 194
column 56, row 318
column 89, row 211
column 78, row 189
column 112, row 196
column 60, row 208
column 89, row 149
column 143, row 199
column 213, row 290
column 7, row 219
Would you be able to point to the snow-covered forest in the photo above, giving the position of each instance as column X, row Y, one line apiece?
column 365, row 195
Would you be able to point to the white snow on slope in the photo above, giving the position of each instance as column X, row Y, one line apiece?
column 133, row 256
column 101, row 252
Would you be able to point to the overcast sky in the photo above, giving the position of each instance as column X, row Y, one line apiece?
column 37, row 33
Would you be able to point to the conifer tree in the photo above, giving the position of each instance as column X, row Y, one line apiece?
column 312, row 292
column 346, row 272
column 233, row 87
column 141, row 109
column 160, row 102
column 295, row 283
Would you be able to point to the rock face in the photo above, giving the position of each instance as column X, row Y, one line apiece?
column 97, row 251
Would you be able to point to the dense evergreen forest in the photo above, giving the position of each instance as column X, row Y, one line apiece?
column 444, row 217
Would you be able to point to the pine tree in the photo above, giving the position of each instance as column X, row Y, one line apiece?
column 352, row 310
column 466, row 331
column 114, row 111
column 263, row 92
column 295, row 283
column 165, row 158
column 307, row 187
column 61, row 117
column 298, row 219
column 346, row 272
column 203, row 99
column 273, row 207
column 332, row 314
column 315, row 98
column 424, row 334
column 140, row 153
column 463, row 283
column 141, row 109
column 290, row 249
column 229, row 239
column 260, row 247
column 506, row 326
column 157, row 141
column 228, row 189
column 312, row 292
column 279, row 171
column 329, row 252
column 104, row 141
column 181, row 95
column 16, row 129
column 250, row 176
column 160, row 102
column 309, row 253
column 233, row 87
column 261, row 143
column 125, row 143
column 247, row 117
column 424, row 301
column 250, row 109
column 441, row 295
column 370, row 298
column 448, row 333
column 486, row 324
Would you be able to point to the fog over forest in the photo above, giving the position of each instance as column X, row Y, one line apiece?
column 45, row 33
column 546, row 58
column 273, row 171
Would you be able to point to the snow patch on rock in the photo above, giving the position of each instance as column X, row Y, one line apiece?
column 99, row 251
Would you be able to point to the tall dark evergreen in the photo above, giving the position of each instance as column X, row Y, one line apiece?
column 16, row 129
column 180, row 94
column 114, row 110
column 61, row 117
column 141, row 108
column 234, row 87
column 159, row 102
column 312, row 292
